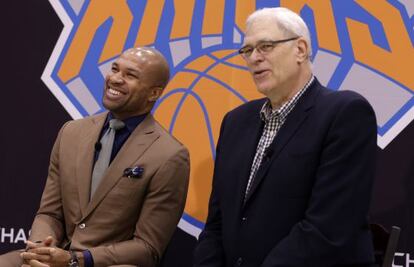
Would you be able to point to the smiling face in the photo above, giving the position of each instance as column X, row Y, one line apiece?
column 276, row 72
column 133, row 85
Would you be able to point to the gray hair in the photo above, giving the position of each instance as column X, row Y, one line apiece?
column 288, row 22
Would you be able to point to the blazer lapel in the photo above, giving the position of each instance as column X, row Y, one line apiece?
column 252, row 128
column 293, row 122
column 85, row 159
column 139, row 141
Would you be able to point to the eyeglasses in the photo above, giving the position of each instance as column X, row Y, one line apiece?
column 263, row 47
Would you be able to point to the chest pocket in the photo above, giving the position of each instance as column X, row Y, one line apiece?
column 292, row 172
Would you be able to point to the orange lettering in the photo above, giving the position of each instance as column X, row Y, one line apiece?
column 396, row 63
column 150, row 23
column 243, row 10
column 98, row 12
column 324, row 19
column 213, row 17
column 182, row 19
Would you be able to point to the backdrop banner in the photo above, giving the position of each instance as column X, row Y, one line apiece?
column 57, row 53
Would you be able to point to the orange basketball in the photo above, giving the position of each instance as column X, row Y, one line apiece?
column 192, row 108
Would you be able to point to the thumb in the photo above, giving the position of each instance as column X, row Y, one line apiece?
column 48, row 241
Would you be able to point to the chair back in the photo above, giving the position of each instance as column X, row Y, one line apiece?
column 385, row 244
column 391, row 246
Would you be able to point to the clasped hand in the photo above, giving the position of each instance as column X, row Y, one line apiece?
column 43, row 254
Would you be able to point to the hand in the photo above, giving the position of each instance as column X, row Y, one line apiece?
column 47, row 257
column 47, row 242
column 35, row 263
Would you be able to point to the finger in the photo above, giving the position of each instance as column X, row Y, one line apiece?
column 31, row 244
column 27, row 256
column 43, row 250
column 35, row 263
column 46, row 242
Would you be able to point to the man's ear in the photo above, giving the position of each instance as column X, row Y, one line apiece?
column 155, row 93
column 303, row 49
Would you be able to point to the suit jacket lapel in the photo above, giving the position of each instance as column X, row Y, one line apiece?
column 139, row 141
column 252, row 128
column 293, row 122
column 85, row 159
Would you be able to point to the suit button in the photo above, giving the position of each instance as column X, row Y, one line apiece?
column 244, row 219
column 82, row 226
column 239, row 261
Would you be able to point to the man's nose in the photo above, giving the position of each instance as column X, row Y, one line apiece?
column 116, row 78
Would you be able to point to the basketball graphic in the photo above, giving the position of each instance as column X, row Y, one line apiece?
column 190, row 111
column 360, row 45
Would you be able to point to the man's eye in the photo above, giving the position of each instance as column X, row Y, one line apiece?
column 265, row 46
column 131, row 76
column 247, row 50
column 114, row 70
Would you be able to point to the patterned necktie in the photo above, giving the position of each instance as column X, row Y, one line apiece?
column 104, row 157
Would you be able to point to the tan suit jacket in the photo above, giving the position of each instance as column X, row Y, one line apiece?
column 128, row 220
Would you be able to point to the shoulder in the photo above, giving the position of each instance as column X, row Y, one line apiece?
column 167, row 143
column 245, row 111
column 248, row 107
column 337, row 101
column 330, row 103
column 344, row 109
column 84, row 123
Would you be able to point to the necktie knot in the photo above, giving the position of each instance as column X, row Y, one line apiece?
column 116, row 124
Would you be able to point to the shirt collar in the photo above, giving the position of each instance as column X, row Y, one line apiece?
column 267, row 113
column 130, row 123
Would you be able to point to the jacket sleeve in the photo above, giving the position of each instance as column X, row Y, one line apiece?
column 49, row 220
column 160, row 213
column 209, row 251
column 340, row 197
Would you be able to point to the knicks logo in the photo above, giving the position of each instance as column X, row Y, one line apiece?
column 359, row 45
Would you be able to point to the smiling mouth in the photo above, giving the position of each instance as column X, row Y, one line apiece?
column 113, row 91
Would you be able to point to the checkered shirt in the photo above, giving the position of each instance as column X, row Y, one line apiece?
column 273, row 120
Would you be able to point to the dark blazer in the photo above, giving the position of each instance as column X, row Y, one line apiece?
column 309, row 201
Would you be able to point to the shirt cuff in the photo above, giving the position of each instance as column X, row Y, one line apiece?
column 88, row 259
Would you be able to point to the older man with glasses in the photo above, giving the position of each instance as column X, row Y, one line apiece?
column 294, row 170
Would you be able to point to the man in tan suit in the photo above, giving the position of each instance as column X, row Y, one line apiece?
column 128, row 216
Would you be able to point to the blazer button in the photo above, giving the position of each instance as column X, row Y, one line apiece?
column 239, row 262
column 244, row 219
column 82, row 226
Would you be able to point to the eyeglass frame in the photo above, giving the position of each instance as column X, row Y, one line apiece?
column 256, row 47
